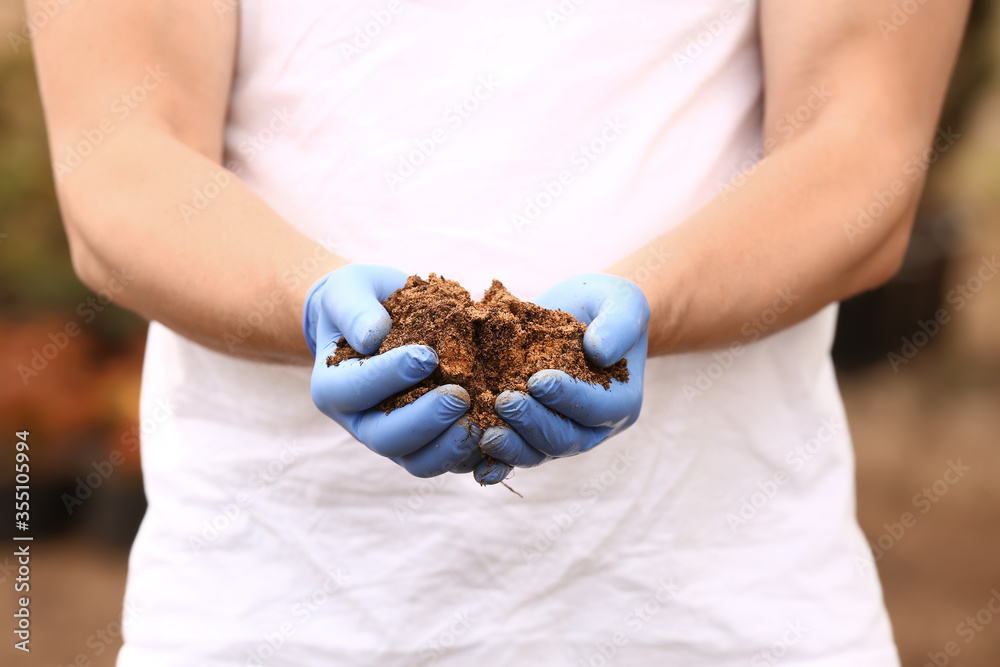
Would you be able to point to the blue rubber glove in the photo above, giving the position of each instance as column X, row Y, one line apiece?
column 427, row 437
column 616, row 314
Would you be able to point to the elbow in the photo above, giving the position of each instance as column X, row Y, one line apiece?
column 88, row 268
column 87, row 265
column 887, row 258
column 888, row 266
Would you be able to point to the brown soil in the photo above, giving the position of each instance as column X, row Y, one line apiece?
column 487, row 347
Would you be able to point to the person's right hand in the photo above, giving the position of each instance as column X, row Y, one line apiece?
column 427, row 437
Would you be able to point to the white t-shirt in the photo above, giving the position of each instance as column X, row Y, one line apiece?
column 525, row 141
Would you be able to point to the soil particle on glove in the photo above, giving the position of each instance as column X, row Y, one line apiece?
column 487, row 347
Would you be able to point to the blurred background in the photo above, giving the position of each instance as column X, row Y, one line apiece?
column 922, row 391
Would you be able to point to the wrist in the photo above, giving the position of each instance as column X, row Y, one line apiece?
column 311, row 312
column 656, row 272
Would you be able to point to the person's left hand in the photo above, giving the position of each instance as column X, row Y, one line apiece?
column 560, row 415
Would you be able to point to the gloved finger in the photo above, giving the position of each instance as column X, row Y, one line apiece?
column 619, row 325
column 504, row 444
column 353, row 298
column 475, row 454
column 405, row 430
column 585, row 403
column 469, row 464
column 358, row 384
column 543, row 429
column 490, row 471
column 445, row 452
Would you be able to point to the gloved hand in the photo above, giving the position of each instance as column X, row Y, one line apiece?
column 616, row 314
column 428, row 437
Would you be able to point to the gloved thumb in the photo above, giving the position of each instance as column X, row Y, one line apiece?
column 349, row 301
column 621, row 321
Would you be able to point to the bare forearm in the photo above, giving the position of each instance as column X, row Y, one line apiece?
column 221, row 268
column 791, row 238
column 767, row 254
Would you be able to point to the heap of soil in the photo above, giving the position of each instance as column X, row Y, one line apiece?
column 487, row 347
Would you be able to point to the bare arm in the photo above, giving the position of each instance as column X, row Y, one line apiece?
column 788, row 240
column 123, row 202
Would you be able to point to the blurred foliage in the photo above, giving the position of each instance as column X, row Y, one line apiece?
column 85, row 398
column 36, row 275
column 34, row 268
column 976, row 64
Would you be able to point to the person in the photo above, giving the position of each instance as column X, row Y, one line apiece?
column 698, row 182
